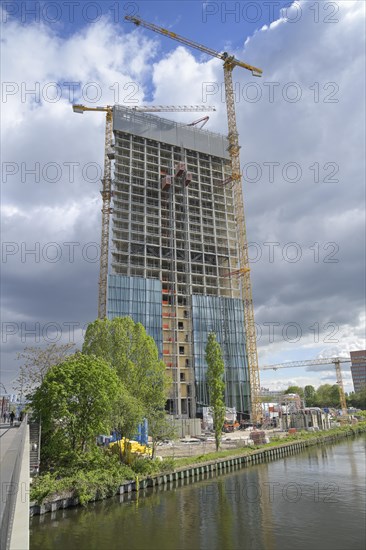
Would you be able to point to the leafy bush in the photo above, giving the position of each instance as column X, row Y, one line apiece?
column 95, row 481
column 167, row 465
column 48, row 484
column 100, row 483
column 145, row 466
column 148, row 466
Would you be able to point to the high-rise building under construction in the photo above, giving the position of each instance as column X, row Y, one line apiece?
column 174, row 249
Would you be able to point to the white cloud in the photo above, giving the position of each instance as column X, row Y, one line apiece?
column 100, row 54
column 324, row 60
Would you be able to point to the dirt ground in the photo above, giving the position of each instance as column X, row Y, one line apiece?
column 180, row 449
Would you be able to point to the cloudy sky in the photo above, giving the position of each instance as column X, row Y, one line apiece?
column 302, row 136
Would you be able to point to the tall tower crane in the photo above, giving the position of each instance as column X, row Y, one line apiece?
column 107, row 182
column 230, row 62
column 106, row 193
column 326, row 361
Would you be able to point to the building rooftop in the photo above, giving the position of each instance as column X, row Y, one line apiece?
column 168, row 131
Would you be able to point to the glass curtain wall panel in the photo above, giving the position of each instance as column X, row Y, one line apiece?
column 225, row 317
column 139, row 299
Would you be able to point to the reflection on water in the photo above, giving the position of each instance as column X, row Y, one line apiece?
column 315, row 499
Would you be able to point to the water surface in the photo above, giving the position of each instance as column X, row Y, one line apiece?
column 314, row 500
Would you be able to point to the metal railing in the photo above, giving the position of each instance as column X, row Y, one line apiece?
column 10, row 474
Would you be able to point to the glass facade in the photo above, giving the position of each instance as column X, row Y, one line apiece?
column 225, row 317
column 139, row 299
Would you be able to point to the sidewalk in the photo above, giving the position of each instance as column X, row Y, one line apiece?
column 14, row 471
column 7, row 435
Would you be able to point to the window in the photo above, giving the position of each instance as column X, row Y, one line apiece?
column 169, row 406
column 181, row 350
column 184, row 406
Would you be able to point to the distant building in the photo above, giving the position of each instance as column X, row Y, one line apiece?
column 358, row 369
column 4, row 404
column 269, row 395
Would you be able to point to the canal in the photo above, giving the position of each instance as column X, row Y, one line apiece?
column 313, row 500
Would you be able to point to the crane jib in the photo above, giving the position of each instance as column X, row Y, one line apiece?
column 224, row 56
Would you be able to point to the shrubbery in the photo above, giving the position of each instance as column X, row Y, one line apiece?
column 167, row 465
column 145, row 466
column 95, row 473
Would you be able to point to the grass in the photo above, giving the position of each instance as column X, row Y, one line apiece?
column 275, row 442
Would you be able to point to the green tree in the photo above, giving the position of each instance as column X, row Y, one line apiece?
column 295, row 389
column 127, row 414
column 126, row 346
column 75, row 402
column 216, row 385
column 327, row 395
column 357, row 399
column 310, row 396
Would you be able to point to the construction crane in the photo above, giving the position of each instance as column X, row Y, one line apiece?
column 172, row 108
column 237, row 272
column 77, row 108
column 203, row 120
column 106, row 191
column 230, row 62
column 326, row 361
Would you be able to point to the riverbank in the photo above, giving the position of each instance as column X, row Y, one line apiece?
column 311, row 499
column 192, row 467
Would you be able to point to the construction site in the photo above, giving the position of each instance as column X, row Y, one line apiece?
column 174, row 249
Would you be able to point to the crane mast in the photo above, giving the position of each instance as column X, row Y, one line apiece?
column 106, row 193
column 342, row 396
column 106, row 210
column 234, row 151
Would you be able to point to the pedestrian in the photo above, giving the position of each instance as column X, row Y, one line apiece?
column 5, row 416
column 12, row 416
